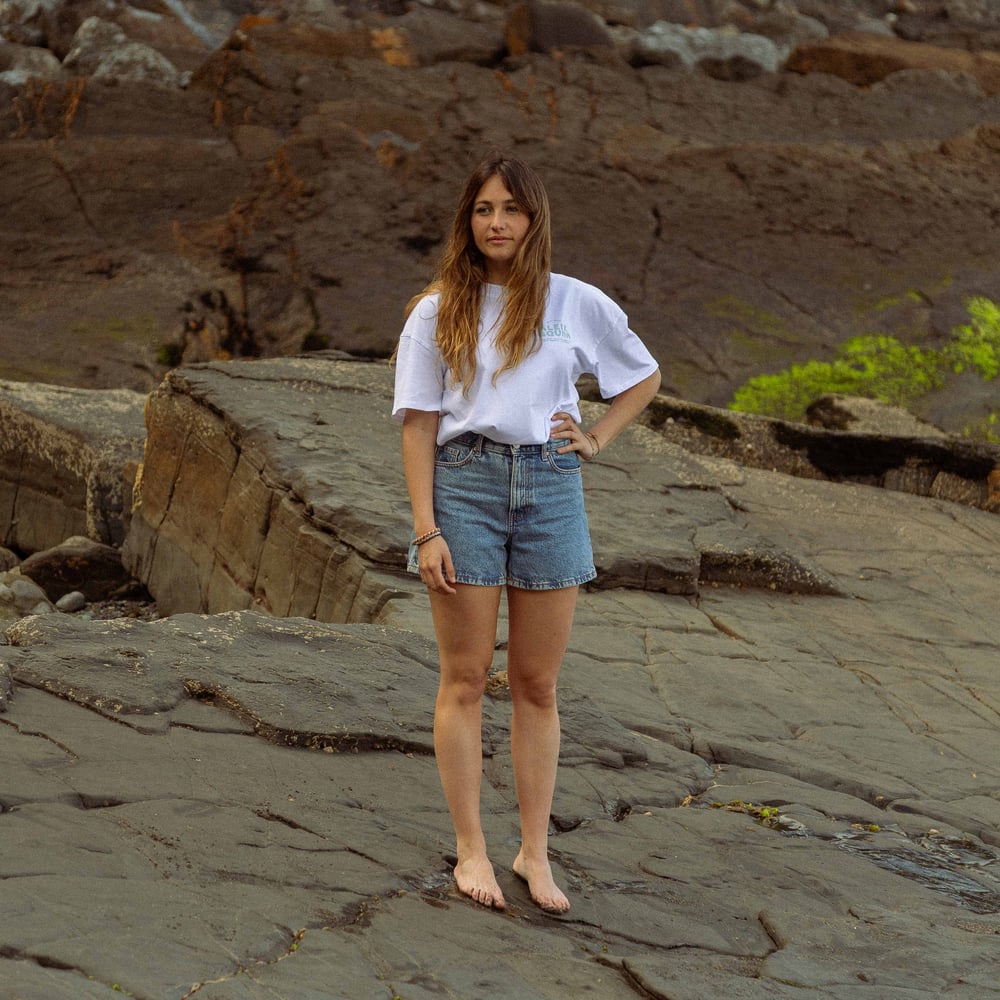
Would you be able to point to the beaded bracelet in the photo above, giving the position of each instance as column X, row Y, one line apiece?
column 433, row 533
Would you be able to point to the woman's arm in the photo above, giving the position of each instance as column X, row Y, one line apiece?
column 420, row 429
column 624, row 408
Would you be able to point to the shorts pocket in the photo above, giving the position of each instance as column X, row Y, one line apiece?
column 566, row 464
column 452, row 455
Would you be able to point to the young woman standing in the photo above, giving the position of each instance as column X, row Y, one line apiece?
column 485, row 387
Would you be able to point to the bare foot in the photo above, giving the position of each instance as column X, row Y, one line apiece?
column 542, row 887
column 475, row 878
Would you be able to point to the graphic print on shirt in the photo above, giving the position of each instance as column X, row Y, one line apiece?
column 556, row 331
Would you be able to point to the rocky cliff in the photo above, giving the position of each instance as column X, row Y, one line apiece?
column 755, row 182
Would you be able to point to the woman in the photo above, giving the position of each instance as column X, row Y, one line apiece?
column 485, row 387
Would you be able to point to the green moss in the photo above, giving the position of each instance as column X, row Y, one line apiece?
column 143, row 329
column 43, row 371
column 169, row 354
column 987, row 429
column 891, row 301
column 756, row 322
column 876, row 366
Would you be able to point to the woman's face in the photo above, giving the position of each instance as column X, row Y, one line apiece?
column 499, row 226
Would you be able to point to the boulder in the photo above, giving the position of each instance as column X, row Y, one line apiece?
column 20, row 64
column 256, row 491
column 78, row 564
column 548, row 25
column 102, row 50
column 21, row 596
column 725, row 54
column 68, row 459
column 864, row 59
column 72, row 602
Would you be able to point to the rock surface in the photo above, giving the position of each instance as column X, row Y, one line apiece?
column 797, row 175
column 276, row 485
column 761, row 793
column 780, row 705
column 68, row 461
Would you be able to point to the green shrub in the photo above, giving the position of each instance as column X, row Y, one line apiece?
column 878, row 366
column 976, row 345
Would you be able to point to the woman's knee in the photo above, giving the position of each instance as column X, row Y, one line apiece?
column 463, row 685
column 538, row 693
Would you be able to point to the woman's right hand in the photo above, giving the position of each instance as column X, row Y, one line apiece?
column 436, row 568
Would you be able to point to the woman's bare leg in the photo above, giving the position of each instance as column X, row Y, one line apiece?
column 540, row 624
column 465, row 624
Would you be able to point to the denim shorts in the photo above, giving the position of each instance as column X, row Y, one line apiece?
column 511, row 514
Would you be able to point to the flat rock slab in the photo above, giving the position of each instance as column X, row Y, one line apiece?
column 761, row 792
column 278, row 485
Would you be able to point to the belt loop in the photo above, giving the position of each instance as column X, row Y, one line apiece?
column 479, row 445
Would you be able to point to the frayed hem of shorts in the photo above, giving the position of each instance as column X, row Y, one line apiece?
column 573, row 581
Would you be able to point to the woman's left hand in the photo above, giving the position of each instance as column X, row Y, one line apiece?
column 564, row 426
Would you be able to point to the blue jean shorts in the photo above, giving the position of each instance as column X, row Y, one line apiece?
column 511, row 514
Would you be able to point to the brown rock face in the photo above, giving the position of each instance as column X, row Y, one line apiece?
column 295, row 193
column 864, row 59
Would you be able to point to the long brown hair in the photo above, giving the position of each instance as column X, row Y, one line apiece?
column 461, row 275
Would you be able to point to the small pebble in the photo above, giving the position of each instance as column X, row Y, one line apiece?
column 73, row 601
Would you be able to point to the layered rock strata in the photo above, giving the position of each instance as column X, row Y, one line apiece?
column 68, row 461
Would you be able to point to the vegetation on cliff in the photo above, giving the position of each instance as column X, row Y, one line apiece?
column 880, row 367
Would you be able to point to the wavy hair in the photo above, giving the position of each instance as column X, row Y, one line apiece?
column 461, row 274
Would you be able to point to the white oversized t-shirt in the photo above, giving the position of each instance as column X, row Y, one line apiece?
column 583, row 331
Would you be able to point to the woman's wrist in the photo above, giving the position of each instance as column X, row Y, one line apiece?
column 426, row 536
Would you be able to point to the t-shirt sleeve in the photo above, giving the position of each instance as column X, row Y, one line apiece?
column 420, row 371
column 621, row 360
